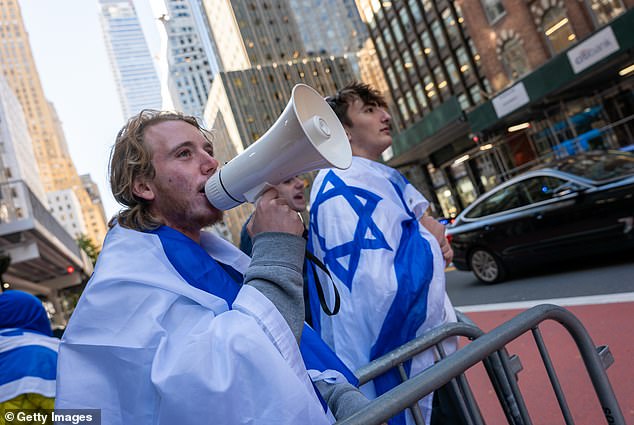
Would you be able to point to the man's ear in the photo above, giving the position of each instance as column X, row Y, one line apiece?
column 142, row 189
column 348, row 134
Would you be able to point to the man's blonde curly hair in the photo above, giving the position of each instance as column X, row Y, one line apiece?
column 131, row 158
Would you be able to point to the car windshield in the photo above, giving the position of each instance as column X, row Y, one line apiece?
column 600, row 167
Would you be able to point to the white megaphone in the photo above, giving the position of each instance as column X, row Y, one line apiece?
column 306, row 137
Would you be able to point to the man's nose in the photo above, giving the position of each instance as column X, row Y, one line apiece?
column 209, row 164
column 298, row 183
column 386, row 117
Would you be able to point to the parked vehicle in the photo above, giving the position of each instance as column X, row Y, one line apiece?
column 578, row 206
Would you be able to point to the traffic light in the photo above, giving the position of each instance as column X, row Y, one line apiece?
column 70, row 269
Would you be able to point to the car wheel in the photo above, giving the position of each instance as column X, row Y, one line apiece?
column 486, row 266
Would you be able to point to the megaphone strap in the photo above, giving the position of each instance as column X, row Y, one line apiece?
column 314, row 261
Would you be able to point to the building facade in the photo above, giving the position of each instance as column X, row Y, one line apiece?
column 17, row 159
column 55, row 166
column 191, row 58
column 329, row 27
column 45, row 258
column 132, row 65
column 558, row 83
column 65, row 207
column 96, row 220
column 484, row 89
column 433, row 72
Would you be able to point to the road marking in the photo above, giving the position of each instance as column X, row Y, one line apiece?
column 570, row 301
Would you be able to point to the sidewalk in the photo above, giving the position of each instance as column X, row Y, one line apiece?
column 607, row 323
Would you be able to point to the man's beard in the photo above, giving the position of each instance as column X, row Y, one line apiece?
column 214, row 218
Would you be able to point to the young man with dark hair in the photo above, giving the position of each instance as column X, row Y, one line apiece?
column 386, row 257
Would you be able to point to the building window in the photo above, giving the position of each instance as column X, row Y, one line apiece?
column 437, row 31
column 420, row 95
column 514, row 59
column 464, row 102
column 391, row 77
column 426, row 44
column 605, row 10
column 557, row 29
column 450, row 24
column 411, row 102
column 398, row 35
column 493, row 10
column 413, row 7
column 452, row 71
column 403, row 108
column 476, row 94
column 405, row 19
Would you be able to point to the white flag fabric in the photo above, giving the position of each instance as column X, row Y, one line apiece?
column 388, row 269
column 147, row 347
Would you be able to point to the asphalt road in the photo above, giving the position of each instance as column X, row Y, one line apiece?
column 608, row 275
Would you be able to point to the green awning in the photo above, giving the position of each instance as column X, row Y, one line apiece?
column 555, row 74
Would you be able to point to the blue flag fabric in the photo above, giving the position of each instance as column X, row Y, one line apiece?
column 195, row 265
column 125, row 342
column 388, row 268
column 28, row 354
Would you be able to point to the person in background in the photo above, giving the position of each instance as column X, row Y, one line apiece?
column 176, row 325
column 28, row 354
column 292, row 190
column 386, row 257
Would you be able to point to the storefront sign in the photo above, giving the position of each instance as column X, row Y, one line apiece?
column 510, row 100
column 591, row 51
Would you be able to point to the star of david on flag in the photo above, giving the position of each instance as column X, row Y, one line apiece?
column 367, row 234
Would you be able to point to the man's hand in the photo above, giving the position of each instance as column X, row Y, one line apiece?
column 438, row 230
column 272, row 214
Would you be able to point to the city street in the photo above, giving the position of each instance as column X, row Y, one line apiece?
column 600, row 293
column 608, row 275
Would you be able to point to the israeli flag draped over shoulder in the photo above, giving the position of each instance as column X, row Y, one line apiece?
column 388, row 269
column 178, row 332
column 28, row 352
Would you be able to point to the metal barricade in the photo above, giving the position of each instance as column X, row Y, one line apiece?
column 488, row 348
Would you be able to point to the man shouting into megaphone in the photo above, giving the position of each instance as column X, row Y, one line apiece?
column 178, row 326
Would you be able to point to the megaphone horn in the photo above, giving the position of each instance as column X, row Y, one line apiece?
column 307, row 136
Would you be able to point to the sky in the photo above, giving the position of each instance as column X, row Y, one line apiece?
column 71, row 59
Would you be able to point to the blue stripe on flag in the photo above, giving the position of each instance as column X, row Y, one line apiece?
column 195, row 265
column 413, row 264
column 30, row 360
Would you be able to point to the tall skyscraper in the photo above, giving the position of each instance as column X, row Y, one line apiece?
column 56, row 169
column 190, row 55
column 329, row 27
column 17, row 159
column 18, row 68
column 268, row 30
column 135, row 76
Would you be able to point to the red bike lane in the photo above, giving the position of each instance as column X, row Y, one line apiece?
column 608, row 324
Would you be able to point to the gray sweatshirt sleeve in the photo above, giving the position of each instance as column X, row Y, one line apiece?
column 276, row 271
column 343, row 399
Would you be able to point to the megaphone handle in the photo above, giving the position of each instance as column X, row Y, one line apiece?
column 253, row 194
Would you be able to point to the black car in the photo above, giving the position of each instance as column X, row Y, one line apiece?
column 578, row 206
